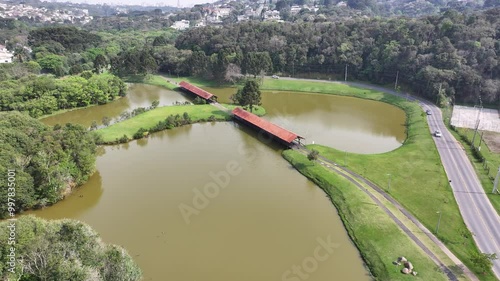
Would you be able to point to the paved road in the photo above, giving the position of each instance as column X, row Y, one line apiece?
column 478, row 213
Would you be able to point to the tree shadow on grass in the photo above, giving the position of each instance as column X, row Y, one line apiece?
column 301, row 166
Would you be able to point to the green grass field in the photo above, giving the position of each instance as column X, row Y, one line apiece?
column 378, row 238
column 151, row 118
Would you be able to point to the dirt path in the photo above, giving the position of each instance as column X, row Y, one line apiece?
column 373, row 190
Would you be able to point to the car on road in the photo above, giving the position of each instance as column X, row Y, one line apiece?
column 437, row 133
column 428, row 112
column 275, row 77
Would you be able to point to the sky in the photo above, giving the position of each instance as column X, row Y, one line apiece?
column 183, row 3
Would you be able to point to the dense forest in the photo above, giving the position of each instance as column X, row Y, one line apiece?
column 63, row 250
column 453, row 55
column 49, row 161
column 41, row 95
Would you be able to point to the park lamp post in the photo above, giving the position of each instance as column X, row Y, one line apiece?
column 439, row 221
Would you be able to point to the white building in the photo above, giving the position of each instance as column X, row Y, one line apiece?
column 243, row 18
column 273, row 15
column 5, row 55
column 223, row 12
column 295, row 10
column 180, row 25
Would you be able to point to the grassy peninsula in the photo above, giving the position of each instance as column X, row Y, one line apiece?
column 197, row 113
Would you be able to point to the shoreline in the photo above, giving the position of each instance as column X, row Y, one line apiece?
column 418, row 170
column 124, row 131
column 415, row 142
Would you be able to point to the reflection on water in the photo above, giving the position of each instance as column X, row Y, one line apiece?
column 345, row 123
column 138, row 95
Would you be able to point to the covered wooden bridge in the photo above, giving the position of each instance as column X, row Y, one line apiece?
column 283, row 135
column 198, row 91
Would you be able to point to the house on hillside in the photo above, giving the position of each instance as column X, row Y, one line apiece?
column 5, row 55
column 295, row 9
column 272, row 15
column 180, row 25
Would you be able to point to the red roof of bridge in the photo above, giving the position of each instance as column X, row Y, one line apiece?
column 265, row 125
column 195, row 90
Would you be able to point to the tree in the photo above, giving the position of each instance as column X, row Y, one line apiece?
column 187, row 118
column 76, row 69
column 100, row 63
column 106, row 121
column 256, row 62
column 249, row 95
column 491, row 3
column 42, row 155
column 220, row 63
column 94, row 125
column 135, row 62
column 64, row 250
column 313, row 155
column 159, row 41
column 361, row 4
column 70, row 38
column 155, row 104
column 484, row 261
column 233, row 73
column 53, row 64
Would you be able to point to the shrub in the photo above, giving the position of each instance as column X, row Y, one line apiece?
column 138, row 111
column 187, row 118
column 155, row 104
column 199, row 100
column 140, row 133
column 106, row 121
column 123, row 139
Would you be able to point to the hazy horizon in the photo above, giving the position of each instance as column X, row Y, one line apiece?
column 173, row 3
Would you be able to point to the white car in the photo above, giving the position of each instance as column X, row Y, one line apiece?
column 437, row 133
column 275, row 77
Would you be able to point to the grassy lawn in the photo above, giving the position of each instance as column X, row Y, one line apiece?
column 198, row 113
column 200, row 82
column 324, row 88
column 156, row 80
column 378, row 238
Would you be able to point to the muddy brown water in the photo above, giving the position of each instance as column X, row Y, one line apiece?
column 139, row 95
column 246, row 213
